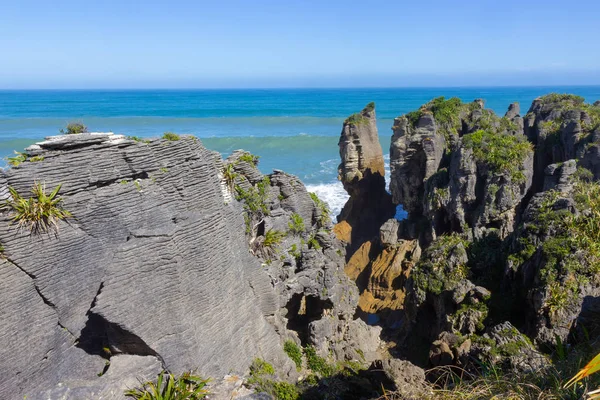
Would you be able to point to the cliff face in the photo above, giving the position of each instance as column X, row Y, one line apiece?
column 498, row 242
column 152, row 272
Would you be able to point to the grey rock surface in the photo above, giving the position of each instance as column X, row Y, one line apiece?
column 152, row 265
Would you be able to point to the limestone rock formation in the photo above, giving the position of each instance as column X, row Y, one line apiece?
column 152, row 272
column 290, row 232
column 449, row 164
column 362, row 174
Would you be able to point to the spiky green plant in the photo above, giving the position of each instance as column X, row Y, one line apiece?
column 40, row 213
column 296, row 225
column 229, row 175
column 17, row 159
column 168, row 387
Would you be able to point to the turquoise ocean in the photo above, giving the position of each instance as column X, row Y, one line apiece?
column 295, row 130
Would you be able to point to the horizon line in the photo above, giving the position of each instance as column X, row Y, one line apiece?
column 300, row 87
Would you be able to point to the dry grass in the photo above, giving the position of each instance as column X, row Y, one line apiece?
column 454, row 383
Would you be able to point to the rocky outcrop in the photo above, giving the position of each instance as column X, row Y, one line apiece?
column 497, row 205
column 460, row 167
column 362, row 174
column 152, row 272
column 290, row 231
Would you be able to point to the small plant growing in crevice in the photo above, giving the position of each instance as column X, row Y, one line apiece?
column 39, row 213
column 169, row 387
column 138, row 139
column 229, row 175
column 313, row 243
column 261, row 379
column 74, row 128
column 293, row 352
column 267, row 245
column 171, row 136
column 255, row 203
column 36, row 159
column 324, row 214
column 296, row 225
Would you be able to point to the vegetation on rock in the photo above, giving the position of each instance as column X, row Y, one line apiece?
column 39, row 213
column 17, row 159
column 171, row 136
column 249, row 158
column 74, row 128
column 324, row 213
column 502, row 153
column 296, row 225
column 293, row 352
column 255, row 201
column 168, row 387
column 443, row 265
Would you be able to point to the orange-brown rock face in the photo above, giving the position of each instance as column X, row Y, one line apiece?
column 380, row 274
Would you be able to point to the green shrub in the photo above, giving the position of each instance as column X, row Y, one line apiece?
column 317, row 363
column 293, row 352
column 296, row 225
column 294, row 252
column 273, row 238
column 562, row 98
column 74, row 128
column 261, row 374
column 36, row 159
column 168, row 387
column 356, row 119
column 260, row 367
column 285, row 391
column 324, row 213
column 170, row 136
column 502, row 153
column 229, row 175
column 17, row 159
column 249, row 158
column 255, row 198
column 39, row 213
column 313, row 243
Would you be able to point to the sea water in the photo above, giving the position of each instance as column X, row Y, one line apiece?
column 295, row 130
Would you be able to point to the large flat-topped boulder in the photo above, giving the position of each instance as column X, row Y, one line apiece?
column 82, row 139
column 152, row 272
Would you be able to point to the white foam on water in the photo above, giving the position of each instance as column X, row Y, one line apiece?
column 333, row 194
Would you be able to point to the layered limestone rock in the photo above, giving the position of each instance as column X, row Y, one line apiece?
column 290, row 232
column 564, row 127
column 152, row 272
column 450, row 164
column 362, row 174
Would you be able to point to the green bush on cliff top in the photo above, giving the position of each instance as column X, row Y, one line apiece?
column 170, row 136
column 502, row 153
column 74, row 128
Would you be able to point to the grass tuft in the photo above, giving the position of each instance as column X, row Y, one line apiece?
column 169, row 387
column 40, row 213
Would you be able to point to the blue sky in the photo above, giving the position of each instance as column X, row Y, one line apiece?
column 288, row 43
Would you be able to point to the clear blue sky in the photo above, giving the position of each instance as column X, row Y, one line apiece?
column 289, row 43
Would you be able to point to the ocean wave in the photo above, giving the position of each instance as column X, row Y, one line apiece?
column 333, row 194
